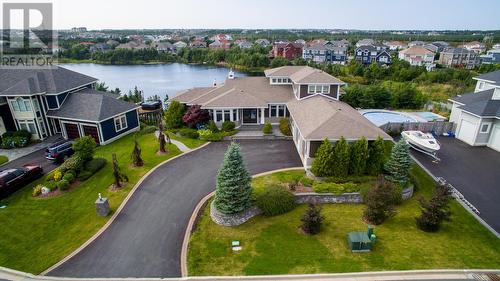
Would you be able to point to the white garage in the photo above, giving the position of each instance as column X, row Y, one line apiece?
column 495, row 138
column 467, row 131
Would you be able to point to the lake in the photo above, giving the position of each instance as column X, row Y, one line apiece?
column 154, row 79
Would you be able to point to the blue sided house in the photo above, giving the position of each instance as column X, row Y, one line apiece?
column 56, row 100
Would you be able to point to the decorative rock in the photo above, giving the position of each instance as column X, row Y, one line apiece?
column 45, row 190
column 102, row 206
column 407, row 193
column 235, row 219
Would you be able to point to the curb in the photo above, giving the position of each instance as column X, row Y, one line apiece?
column 195, row 215
column 117, row 212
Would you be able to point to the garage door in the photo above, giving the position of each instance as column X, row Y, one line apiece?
column 72, row 131
column 91, row 131
column 495, row 138
column 467, row 132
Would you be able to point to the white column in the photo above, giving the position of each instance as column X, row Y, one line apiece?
column 262, row 116
column 214, row 115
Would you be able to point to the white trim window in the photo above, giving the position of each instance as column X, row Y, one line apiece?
column 21, row 105
column 277, row 110
column 121, row 123
column 485, row 128
column 318, row 89
column 27, row 125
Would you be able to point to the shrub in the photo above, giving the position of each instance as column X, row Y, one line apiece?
column 118, row 176
column 174, row 114
column 228, row 126
column 275, row 200
column 37, row 190
column 63, row 184
column 434, row 211
column 213, row 127
column 69, row 177
column 312, row 220
column 52, row 185
column 11, row 140
column 148, row 130
column 285, row 127
column 358, row 157
column 267, row 129
column 208, row 135
column 341, row 158
column 189, row 133
column 376, row 157
column 379, row 202
column 322, row 165
column 136, row 155
column 74, row 163
column 335, row 188
column 84, row 147
column 95, row 164
column 84, row 175
column 195, row 116
column 57, row 175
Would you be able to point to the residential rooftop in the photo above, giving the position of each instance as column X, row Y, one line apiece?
column 480, row 103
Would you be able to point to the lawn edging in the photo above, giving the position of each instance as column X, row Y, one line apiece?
column 117, row 212
column 196, row 214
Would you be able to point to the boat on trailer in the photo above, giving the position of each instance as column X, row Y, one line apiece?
column 423, row 142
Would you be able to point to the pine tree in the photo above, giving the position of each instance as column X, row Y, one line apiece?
column 341, row 158
column 379, row 202
column 376, row 157
column 117, row 174
column 436, row 210
column 322, row 165
column 136, row 155
column 399, row 163
column 161, row 139
column 233, row 189
column 312, row 219
column 359, row 156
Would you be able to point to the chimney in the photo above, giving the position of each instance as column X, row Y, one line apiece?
column 496, row 94
column 230, row 75
column 215, row 83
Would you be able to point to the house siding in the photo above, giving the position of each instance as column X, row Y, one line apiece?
column 483, row 138
column 108, row 126
column 303, row 91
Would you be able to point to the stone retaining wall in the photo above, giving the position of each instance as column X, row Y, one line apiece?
column 327, row 198
column 232, row 220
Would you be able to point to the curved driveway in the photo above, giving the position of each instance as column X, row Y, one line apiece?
column 145, row 239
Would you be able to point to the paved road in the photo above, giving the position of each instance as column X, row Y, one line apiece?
column 145, row 239
column 474, row 171
column 37, row 158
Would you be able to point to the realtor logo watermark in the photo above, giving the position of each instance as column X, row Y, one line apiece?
column 27, row 37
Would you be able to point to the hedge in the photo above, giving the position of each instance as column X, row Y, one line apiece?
column 275, row 200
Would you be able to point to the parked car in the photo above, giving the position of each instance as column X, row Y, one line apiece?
column 11, row 180
column 60, row 151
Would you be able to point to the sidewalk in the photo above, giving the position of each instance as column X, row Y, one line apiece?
column 182, row 147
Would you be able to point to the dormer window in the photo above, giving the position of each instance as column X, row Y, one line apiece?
column 318, row 89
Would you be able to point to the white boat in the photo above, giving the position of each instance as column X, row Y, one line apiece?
column 420, row 140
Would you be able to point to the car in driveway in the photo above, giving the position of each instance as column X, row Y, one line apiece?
column 11, row 180
column 59, row 151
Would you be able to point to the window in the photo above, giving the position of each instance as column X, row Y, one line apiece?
column 318, row 89
column 21, row 105
column 27, row 125
column 274, row 80
column 227, row 115
column 120, row 123
column 235, row 114
column 485, row 128
column 281, row 111
column 218, row 116
column 273, row 110
column 277, row 110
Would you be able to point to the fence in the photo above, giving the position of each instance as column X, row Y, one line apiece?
column 151, row 117
column 438, row 127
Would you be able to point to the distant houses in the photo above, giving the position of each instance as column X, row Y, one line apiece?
column 198, row 44
column 180, row 45
column 220, row 44
column 475, row 46
column 418, row 56
column 368, row 54
column 458, row 57
column 395, row 45
column 364, row 42
column 287, row 50
column 491, row 57
column 263, row 42
column 132, row 45
column 165, row 47
column 415, row 43
column 326, row 51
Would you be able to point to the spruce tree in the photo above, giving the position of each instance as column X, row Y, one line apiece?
column 117, row 174
column 376, row 157
column 399, row 163
column 136, row 155
column 359, row 156
column 341, row 158
column 233, row 189
column 322, row 165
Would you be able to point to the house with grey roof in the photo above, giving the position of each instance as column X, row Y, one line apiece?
column 458, row 57
column 477, row 114
column 364, row 42
column 372, row 53
column 307, row 96
column 56, row 100
column 325, row 52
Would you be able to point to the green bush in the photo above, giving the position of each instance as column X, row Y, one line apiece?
column 208, row 135
column 335, row 188
column 15, row 139
column 228, row 126
column 148, row 130
column 275, row 200
column 213, row 127
column 84, row 175
column 37, row 190
column 173, row 115
column 285, row 127
column 69, row 177
column 189, row 133
column 63, row 184
column 84, row 147
column 267, row 129
column 74, row 163
column 95, row 164
column 52, row 185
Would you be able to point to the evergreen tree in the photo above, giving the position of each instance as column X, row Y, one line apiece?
column 117, row 174
column 233, row 189
column 174, row 114
column 436, row 210
column 341, row 158
column 162, row 142
column 136, row 155
column 399, row 163
column 312, row 219
column 376, row 157
column 322, row 165
column 359, row 156
column 379, row 202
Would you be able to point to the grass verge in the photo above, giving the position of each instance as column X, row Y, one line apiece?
column 191, row 143
column 273, row 245
column 37, row 233
column 3, row 159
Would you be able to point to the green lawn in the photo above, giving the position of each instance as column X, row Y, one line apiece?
column 275, row 246
column 191, row 143
column 3, row 159
column 37, row 233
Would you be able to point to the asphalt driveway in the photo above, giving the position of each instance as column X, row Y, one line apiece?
column 145, row 239
column 36, row 158
column 474, row 171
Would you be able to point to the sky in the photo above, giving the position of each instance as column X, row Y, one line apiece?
column 276, row 14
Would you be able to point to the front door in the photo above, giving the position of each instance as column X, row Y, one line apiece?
column 250, row 116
